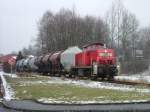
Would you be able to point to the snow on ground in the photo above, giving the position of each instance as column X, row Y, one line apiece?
column 87, row 83
column 11, row 75
column 8, row 92
column 141, row 77
column 105, row 85
column 49, row 100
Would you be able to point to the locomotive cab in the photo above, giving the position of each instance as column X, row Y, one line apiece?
column 98, row 60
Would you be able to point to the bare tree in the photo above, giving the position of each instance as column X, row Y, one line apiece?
column 122, row 28
column 114, row 20
column 144, row 41
column 129, row 36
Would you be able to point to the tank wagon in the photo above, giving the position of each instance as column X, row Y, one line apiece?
column 94, row 60
column 68, row 59
column 46, row 63
column 31, row 65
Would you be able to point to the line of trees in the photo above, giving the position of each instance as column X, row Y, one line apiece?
column 66, row 28
column 119, row 30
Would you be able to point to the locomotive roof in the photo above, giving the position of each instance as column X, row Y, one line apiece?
column 96, row 43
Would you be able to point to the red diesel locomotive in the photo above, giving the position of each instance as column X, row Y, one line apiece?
column 97, row 61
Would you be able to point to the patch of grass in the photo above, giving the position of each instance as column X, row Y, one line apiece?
column 69, row 92
column 21, row 79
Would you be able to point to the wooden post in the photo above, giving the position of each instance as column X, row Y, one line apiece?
column 11, row 69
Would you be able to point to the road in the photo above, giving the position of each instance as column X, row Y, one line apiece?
column 4, row 109
column 29, row 105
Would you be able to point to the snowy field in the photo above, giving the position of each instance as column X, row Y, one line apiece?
column 56, row 90
column 7, row 90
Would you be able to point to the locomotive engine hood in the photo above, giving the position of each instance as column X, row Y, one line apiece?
column 106, row 56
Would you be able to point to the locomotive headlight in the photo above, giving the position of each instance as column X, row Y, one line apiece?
column 103, row 54
column 118, row 66
column 110, row 54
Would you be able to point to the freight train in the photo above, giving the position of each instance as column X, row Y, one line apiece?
column 93, row 61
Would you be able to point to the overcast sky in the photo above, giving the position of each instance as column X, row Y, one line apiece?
column 18, row 18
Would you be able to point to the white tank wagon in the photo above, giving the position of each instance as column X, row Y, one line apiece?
column 32, row 66
column 67, row 58
column 17, row 65
column 21, row 64
column 25, row 64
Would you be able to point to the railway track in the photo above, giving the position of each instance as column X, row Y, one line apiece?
column 125, row 82
column 134, row 83
column 117, row 81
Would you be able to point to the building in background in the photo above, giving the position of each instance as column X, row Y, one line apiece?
column 7, row 63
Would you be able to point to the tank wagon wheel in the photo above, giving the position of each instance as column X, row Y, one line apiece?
column 70, row 75
column 73, row 73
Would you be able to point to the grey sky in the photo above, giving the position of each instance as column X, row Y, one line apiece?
column 18, row 18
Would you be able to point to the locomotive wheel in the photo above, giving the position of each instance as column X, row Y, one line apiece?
column 103, row 78
column 110, row 78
